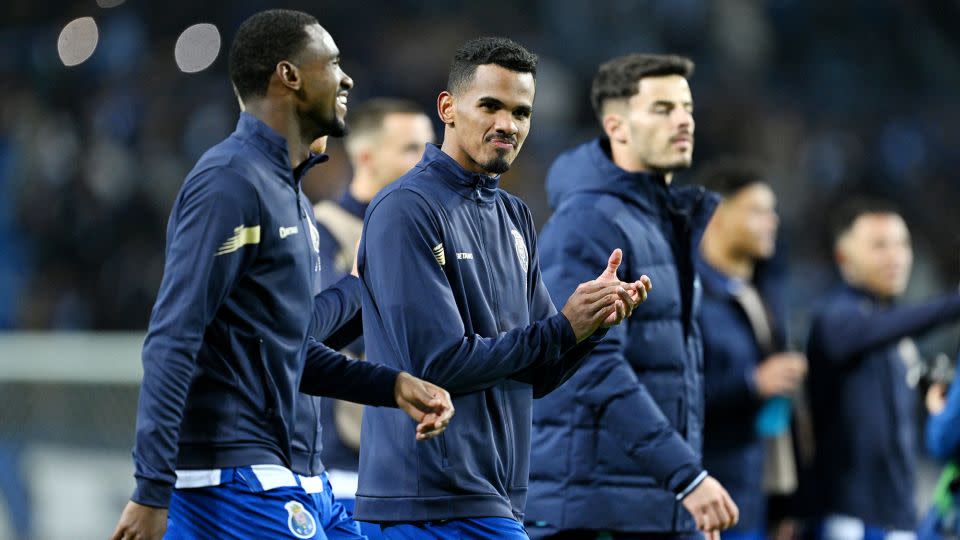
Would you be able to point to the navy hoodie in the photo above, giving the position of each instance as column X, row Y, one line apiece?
column 227, row 349
column 453, row 294
column 614, row 446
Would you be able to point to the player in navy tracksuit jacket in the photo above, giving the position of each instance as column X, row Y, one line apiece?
column 863, row 408
column 453, row 293
column 227, row 352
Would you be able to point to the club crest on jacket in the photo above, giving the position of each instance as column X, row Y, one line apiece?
column 521, row 248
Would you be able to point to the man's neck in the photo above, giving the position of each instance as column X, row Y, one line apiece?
column 721, row 257
column 622, row 158
column 363, row 188
column 450, row 148
column 282, row 119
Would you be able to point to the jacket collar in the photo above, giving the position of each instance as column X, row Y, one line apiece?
column 650, row 191
column 352, row 205
column 647, row 190
column 468, row 184
column 716, row 281
column 274, row 146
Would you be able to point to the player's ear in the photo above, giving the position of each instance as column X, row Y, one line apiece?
column 289, row 75
column 365, row 156
column 446, row 109
column 615, row 126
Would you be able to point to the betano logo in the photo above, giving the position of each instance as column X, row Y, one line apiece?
column 242, row 236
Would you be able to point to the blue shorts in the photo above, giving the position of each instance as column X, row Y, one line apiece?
column 457, row 529
column 335, row 519
column 239, row 508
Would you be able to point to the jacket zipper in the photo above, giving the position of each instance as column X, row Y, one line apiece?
column 302, row 213
column 486, row 266
column 500, row 391
column 445, row 462
column 313, row 440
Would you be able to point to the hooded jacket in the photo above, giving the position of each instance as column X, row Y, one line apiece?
column 616, row 444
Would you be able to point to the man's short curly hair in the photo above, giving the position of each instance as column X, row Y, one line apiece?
column 263, row 41
column 500, row 51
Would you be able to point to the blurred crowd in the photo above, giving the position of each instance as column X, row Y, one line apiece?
column 833, row 97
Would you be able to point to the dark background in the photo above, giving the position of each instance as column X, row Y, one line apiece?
column 835, row 97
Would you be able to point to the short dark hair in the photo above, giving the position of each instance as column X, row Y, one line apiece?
column 501, row 51
column 263, row 41
column 848, row 213
column 369, row 115
column 728, row 175
column 620, row 77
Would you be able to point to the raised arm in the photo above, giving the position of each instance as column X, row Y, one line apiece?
column 845, row 332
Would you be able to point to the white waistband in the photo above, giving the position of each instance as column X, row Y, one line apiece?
column 269, row 476
column 197, row 478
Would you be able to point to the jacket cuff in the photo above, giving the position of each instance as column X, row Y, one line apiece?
column 568, row 339
column 692, row 485
column 383, row 384
column 152, row 493
column 597, row 336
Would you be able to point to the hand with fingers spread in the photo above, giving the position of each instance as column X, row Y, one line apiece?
column 605, row 301
column 139, row 522
column 637, row 290
column 426, row 403
column 711, row 506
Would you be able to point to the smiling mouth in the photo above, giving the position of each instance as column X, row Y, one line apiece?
column 342, row 100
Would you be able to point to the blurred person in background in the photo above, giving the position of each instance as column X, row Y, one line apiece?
column 228, row 347
column 616, row 450
column 386, row 139
column 453, row 292
column 749, row 375
column 943, row 443
column 863, row 408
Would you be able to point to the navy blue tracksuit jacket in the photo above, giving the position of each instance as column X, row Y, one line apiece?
column 615, row 444
column 227, row 351
column 863, row 410
column 453, row 294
